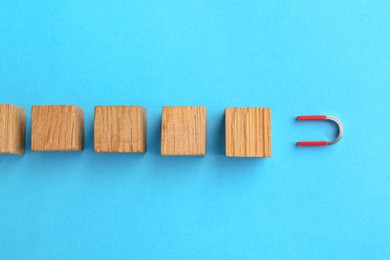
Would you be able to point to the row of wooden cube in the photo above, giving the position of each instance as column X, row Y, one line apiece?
column 123, row 129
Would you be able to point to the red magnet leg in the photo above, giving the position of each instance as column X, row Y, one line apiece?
column 320, row 143
column 311, row 118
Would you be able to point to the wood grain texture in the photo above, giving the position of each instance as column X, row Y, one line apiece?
column 183, row 131
column 120, row 129
column 248, row 132
column 57, row 128
column 12, row 129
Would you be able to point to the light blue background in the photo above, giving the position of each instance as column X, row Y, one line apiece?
column 298, row 57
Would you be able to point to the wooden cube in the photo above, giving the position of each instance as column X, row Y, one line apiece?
column 248, row 132
column 12, row 129
column 120, row 129
column 183, row 131
column 57, row 128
